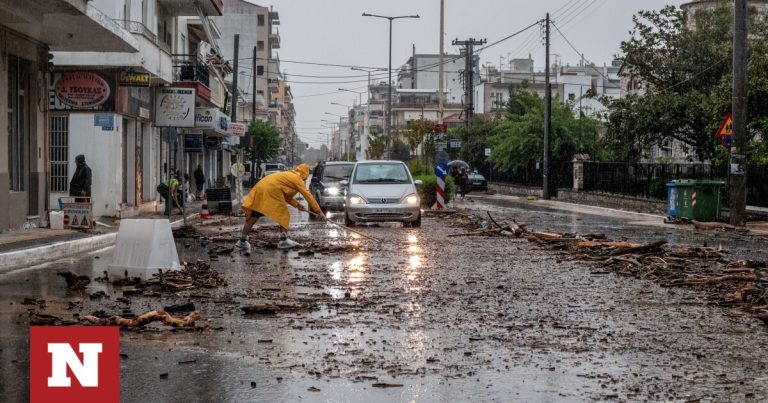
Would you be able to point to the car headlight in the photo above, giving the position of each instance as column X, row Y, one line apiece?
column 333, row 191
column 411, row 199
column 356, row 200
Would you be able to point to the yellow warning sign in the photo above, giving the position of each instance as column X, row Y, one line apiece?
column 726, row 128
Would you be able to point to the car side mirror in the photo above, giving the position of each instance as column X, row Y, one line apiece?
column 418, row 182
column 344, row 183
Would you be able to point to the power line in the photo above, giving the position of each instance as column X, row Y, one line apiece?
column 607, row 80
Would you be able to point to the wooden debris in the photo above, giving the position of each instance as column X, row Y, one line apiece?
column 149, row 317
column 713, row 226
column 74, row 282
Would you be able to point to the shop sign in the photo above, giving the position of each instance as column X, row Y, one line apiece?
column 193, row 143
column 175, row 107
column 105, row 121
column 211, row 119
column 213, row 143
column 82, row 90
column 236, row 129
column 133, row 79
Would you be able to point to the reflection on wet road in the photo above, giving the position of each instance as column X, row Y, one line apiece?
column 449, row 319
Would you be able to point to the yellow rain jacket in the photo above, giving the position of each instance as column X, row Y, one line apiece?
column 270, row 195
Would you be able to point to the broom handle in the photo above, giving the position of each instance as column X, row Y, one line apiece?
column 343, row 226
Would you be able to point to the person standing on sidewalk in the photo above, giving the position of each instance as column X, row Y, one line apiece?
column 269, row 198
column 199, row 182
column 81, row 180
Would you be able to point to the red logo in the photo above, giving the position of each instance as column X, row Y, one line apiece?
column 74, row 364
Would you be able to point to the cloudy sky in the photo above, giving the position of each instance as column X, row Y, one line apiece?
column 334, row 32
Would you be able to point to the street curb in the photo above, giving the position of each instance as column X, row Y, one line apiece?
column 47, row 253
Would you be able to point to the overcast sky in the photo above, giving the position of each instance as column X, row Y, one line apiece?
column 334, row 32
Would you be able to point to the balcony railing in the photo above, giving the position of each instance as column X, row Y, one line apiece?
column 189, row 68
column 136, row 27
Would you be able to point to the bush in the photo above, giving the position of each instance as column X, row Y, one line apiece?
column 416, row 168
column 427, row 192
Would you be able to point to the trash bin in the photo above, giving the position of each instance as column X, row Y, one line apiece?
column 694, row 199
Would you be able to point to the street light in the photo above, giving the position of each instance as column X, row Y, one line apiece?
column 360, row 93
column 389, row 83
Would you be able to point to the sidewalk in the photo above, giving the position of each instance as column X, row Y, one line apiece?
column 29, row 247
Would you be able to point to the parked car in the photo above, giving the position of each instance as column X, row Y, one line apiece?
column 380, row 191
column 325, row 184
column 477, row 182
column 272, row 167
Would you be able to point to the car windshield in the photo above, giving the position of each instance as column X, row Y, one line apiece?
column 272, row 167
column 337, row 173
column 381, row 173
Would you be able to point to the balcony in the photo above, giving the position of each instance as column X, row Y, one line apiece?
column 274, row 17
column 190, row 72
column 186, row 8
column 274, row 39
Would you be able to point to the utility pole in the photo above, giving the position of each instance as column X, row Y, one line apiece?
column 547, row 118
column 441, row 69
column 253, row 100
column 738, row 169
column 235, row 74
column 469, row 73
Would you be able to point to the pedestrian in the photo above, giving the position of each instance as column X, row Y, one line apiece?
column 171, row 192
column 81, row 180
column 199, row 182
column 269, row 198
column 463, row 181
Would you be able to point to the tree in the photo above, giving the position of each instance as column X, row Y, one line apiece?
column 474, row 141
column 263, row 143
column 518, row 141
column 400, row 151
column 376, row 146
column 686, row 71
column 416, row 133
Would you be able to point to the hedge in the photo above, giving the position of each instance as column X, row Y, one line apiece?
column 427, row 192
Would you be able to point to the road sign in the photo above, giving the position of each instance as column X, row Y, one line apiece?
column 726, row 141
column 487, row 152
column 441, row 170
column 440, row 128
column 455, row 143
column 726, row 128
column 78, row 212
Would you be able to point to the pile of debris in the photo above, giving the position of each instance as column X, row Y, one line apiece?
column 191, row 276
column 726, row 282
column 479, row 226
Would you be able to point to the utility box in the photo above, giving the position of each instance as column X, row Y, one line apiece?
column 694, row 199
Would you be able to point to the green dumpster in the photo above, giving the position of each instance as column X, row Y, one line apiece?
column 698, row 199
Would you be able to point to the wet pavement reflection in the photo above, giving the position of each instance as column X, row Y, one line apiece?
column 435, row 318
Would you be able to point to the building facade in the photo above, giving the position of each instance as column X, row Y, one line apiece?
column 33, row 149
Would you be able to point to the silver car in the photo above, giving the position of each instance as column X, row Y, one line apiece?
column 382, row 191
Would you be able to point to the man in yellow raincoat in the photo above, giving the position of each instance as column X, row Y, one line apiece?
column 269, row 198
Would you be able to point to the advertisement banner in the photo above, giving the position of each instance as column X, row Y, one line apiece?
column 134, row 79
column 82, row 91
column 175, row 107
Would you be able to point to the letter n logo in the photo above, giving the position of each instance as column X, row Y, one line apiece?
column 74, row 364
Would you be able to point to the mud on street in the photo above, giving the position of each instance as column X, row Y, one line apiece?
column 419, row 317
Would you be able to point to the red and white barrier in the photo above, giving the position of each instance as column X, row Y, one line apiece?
column 440, row 187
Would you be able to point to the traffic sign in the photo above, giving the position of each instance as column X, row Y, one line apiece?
column 441, row 170
column 726, row 141
column 726, row 128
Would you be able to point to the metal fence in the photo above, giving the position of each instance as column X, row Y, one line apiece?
column 640, row 180
column 650, row 180
column 560, row 176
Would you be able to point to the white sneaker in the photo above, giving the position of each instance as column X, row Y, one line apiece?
column 244, row 246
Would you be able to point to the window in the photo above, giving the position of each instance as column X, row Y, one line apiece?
column 260, row 20
column 58, row 151
column 18, row 122
column 260, row 45
column 259, row 70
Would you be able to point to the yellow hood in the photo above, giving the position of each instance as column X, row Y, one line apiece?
column 303, row 171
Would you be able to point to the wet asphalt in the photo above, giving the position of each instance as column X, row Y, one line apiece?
column 419, row 317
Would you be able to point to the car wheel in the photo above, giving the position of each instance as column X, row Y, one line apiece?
column 347, row 221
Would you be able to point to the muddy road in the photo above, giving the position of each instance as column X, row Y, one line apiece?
column 419, row 317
